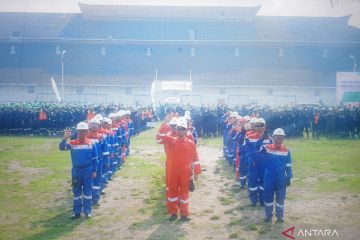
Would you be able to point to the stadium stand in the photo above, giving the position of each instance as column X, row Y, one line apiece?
column 231, row 47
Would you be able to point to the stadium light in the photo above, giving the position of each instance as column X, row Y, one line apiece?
column 354, row 58
column 62, row 74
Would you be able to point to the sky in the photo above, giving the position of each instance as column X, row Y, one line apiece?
column 311, row 8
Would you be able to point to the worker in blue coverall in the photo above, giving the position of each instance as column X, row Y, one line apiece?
column 242, row 168
column 102, row 131
column 84, row 159
column 227, row 126
column 278, row 174
column 191, row 127
column 230, row 144
column 255, row 160
column 101, row 147
column 116, row 144
column 110, row 139
column 131, row 130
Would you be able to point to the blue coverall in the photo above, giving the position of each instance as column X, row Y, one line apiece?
column 255, row 160
column 243, row 168
column 278, row 172
column 101, row 147
column 231, row 147
column 226, row 136
column 84, row 158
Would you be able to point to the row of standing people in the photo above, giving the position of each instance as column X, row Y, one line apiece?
column 40, row 118
column 261, row 162
column 99, row 148
column 182, row 165
column 297, row 121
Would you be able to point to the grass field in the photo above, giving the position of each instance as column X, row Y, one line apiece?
column 36, row 199
column 335, row 164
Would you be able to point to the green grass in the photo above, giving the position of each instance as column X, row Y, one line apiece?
column 324, row 165
column 31, row 169
column 336, row 163
column 215, row 217
column 234, row 222
column 36, row 198
column 211, row 142
column 252, row 227
column 35, row 191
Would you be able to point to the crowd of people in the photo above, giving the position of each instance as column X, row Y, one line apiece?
column 49, row 119
column 99, row 139
column 297, row 121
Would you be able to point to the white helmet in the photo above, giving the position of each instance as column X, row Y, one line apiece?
column 247, row 118
column 182, row 123
column 82, row 126
column 128, row 112
column 234, row 114
column 253, row 120
column 119, row 114
column 187, row 117
column 173, row 121
column 279, row 132
column 187, row 112
column 260, row 120
column 111, row 115
column 94, row 120
column 99, row 117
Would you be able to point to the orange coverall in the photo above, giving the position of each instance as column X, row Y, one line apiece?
column 183, row 160
column 163, row 131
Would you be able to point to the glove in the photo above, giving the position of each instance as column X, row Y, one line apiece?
column 288, row 182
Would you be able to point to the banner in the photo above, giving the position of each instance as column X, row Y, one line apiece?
column 152, row 94
column 55, row 89
column 177, row 85
column 346, row 82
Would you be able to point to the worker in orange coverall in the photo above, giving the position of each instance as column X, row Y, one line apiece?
column 172, row 132
column 182, row 164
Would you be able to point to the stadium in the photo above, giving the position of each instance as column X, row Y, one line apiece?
column 113, row 53
column 158, row 119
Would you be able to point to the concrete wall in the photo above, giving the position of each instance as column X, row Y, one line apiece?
column 131, row 95
column 126, row 95
column 273, row 96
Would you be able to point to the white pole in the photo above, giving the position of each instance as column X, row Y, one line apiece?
column 354, row 58
column 354, row 64
column 156, row 78
column 62, row 80
column 62, row 75
column 191, row 88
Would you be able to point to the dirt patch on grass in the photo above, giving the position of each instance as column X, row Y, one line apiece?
column 135, row 208
column 27, row 174
column 44, row 147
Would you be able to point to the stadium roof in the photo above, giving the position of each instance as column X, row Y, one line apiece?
column 103, row 11
column 299, row 8
column 74, row 28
